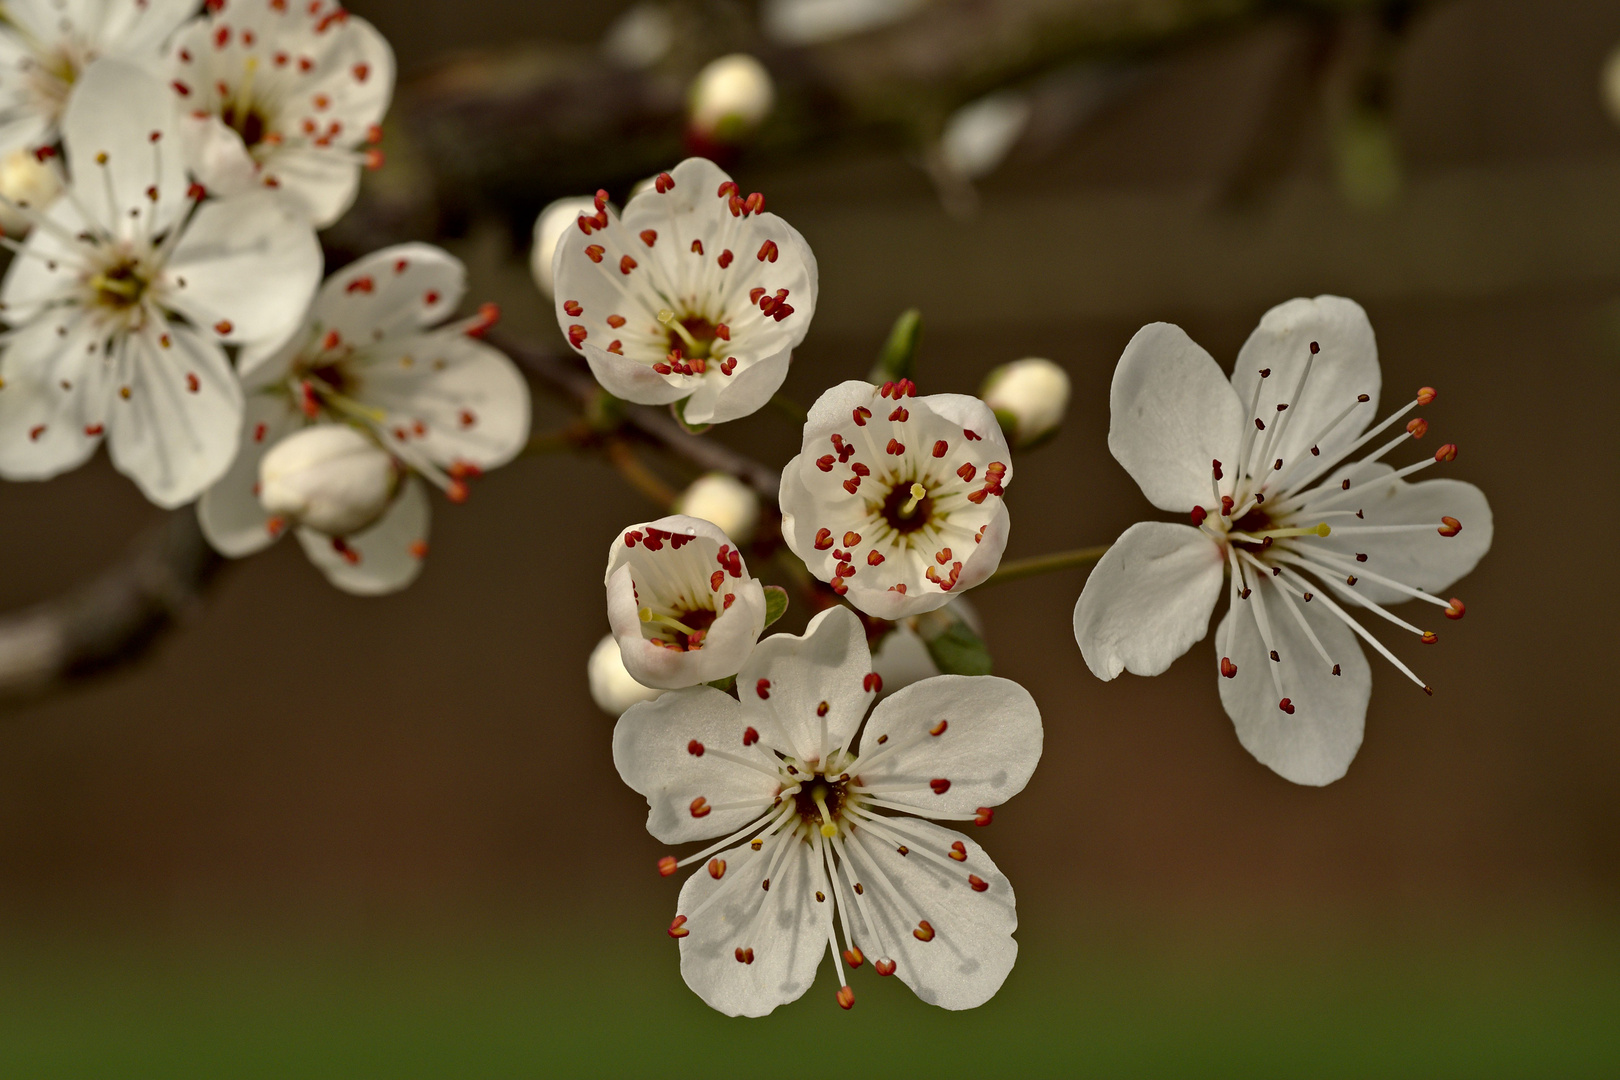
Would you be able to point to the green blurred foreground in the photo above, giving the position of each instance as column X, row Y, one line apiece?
column 1528, row 998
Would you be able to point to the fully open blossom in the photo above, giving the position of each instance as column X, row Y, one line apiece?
column 127, row 289
column 695, row 294
column 46, row 45
column 896, row 500
column 1259, row 465
column 681, row 602
column 819, row 821
column 283, row 94
column 370, row 355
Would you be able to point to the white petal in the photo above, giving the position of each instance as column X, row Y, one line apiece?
column 390, row 552
column 138, row 30
column 612, row 687
column 232, row 518
column 53, row 390
column 987, row 749
column 321, row 182
column 1346, row 366
column 250, row 261
column 1316, row 744
column 390, row 292
column 217, row 156
column 660, row 748
column 1148, row 599
column 176, row 433
column 47, row 270
column 1172, row 413
column 787, row 680
column 902, row 658
column 115, row 110
column 631, row 380
column 471, row 401
column 782, row 924
column 720, row 398
column 972, row 949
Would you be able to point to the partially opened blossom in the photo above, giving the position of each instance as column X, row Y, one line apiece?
column 896, row 500
column 695, row 294
column 46, row 45
column 127, row 290
column 817, row 822
column 1312, row 544
column 371, row 355
column 681, row 602
column 283, row 94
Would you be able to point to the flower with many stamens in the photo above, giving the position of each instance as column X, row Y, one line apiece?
column 819, row 821
column 695, row 294
column 370, row 354
column 46, row 45
column 681, row 602
column 286, row 95
column 1303, row 535
column 127, row 290
column 896, row 500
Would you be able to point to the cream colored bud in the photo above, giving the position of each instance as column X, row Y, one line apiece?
column 730, row 97
column 27, row 182
column 1029, row 397
column 329, row 477
column 979, row 136
column 554, row 221
column 612, row 687
column 724, row 500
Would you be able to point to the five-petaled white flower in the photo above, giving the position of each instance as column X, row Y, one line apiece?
column 1256, row 462
column 895, row 500
column 813, row 816
column 695, row 293
column 283, row 94
column 125, row 292
column 445, row 405
column 681, row 602
column 46, row 45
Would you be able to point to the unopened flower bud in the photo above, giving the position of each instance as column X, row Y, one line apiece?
column 1029, row 398
column 979, row 136
column 612, row 687
column 730, row 97
column 329, row 477
column 554, row 221
column 26, row 182
column 724, row 500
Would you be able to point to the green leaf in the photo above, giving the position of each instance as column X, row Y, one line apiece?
column 678, row 410
column 959, row 651
column 776, row 603
column 899, row 356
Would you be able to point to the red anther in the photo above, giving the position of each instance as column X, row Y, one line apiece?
column 1259, row 423
column 725, row 258
column 744, row 956
column 846, row 997
column 750, row 736
column 307, row 400
column 1429, row 637
column 374, row 159
column 192, row 383
column 649, row 236
column 179, row 87
column 1198, row 516
column 1228, row 669
column 728, row 187
column 967, row 472
column 825, row 462
column 615, row 321
column 341, row 546
column 1361, row 556
column 837, row 585
column 467, row 418
column 586, row 223
column 626, row 264
column 883, row 966
column 1426, row 395
column 958, row 851
column 36, row 431
column 662, row 369
column 874, row 558
column 274, row 526
column 859, row 470
column 93, row 430
column 851, row 539
column 899, row 416
column 717, row 579
column 570, row 306
column 663, row 183
column 1417, row 427
column 677, row 927
column 861, row 415
column 1286, row 705
column 924, row 932
column 767, row 251
column 1335, row 669
column 700, row 807
column 601, row 199
column 896, row 447
column 1449, row 526
column 1448, row 452
column 735, row 205
column 942, row 556
column 1215, row 467
column 940, row 785
column 1226, row 506
column 1455, row 609
column 846, row 570
column 418, row 549
column 331, row 341
column 763, row 689
column 755, row 293
column 594, row 252
column 223, row 327
column 465, row 470
column 1265, row 373
column 853, row 957
column 872, row 683
column 900, row 588
column 666, row 866
column 222, row 37
column 717, row 868
column 824, row 539
column 577, row 335
column 457, row 492
column 755, row 203
column 983, row 815
column 1315, row 348
column 694, row 748
column 977, row 883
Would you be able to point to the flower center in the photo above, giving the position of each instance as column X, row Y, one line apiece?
column 907, row 507
column 121, row 286
column 682, row 631
column 819, row 802
column 247, row 121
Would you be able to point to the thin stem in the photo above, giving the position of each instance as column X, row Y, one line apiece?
column 638, row 475
column 1045, row 564
column 573, row 437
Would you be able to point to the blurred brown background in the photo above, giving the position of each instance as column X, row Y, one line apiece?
column 295, row 765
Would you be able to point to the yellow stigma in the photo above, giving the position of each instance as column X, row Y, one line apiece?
column 667, row 317
column 918, row 494
column 819, row 794
column 1320, row 529
column 648, row 616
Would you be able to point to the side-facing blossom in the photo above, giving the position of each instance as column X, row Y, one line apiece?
column 1258, row 464
column 127, row 290
column 46, row 45
column 372, row 355
column 694, row 294
column 286, row 95
column 681, row 602
column 896, row 500
column 817, row 821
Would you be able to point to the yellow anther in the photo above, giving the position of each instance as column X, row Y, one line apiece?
column 649, row 616
column 918, row 494
column 667, row 317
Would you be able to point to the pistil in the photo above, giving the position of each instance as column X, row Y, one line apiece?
column 918, row 494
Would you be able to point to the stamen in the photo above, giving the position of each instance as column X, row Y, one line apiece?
column 819, row 794
column 648, row 616
column 918, row 494
column 667, row 317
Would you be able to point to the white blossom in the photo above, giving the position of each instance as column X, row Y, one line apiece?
column 694, row 294
column 812, row 22
column 1033, row 394
column 730, row 97
column 813, row 821
column 979, row 136
column 26, row 184
column 330, row 477
column 370, row 355
column 896, row 500
column 284, row 94
column 613, row 688
column 554, row 222
column 681, row 602
column 125, row 292
column 1259, row 464
column 902, row 656
column 46, row 45
column 724, row 500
